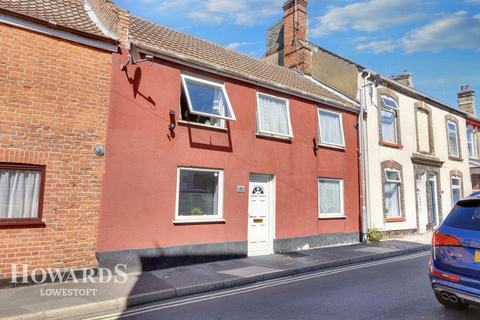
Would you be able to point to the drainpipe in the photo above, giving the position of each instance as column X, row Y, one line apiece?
column 362, row 147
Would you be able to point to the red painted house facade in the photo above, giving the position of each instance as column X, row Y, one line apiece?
column 212, row 154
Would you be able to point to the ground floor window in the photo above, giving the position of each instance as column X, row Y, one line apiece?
column 199, row 194
column 330, row 198
column 392, row 193
column 21, row 193
column 456, row 184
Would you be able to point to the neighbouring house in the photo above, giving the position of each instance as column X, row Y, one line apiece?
column 55, row 71
column 213, row 154
column 466, row 102
column 414, row 147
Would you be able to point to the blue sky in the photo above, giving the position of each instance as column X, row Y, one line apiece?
column 438, row 41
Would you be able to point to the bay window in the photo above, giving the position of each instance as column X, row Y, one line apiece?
column 456, row 184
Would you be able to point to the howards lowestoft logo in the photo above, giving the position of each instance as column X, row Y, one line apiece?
column 22, row 274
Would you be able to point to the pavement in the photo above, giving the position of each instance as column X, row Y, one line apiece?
column 48, row 301
column 388, row 289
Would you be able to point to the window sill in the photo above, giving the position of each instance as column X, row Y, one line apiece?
column 331, row 146
column 399, row 219
column 200, row 125
column 21, row 223
column 453, row 158
column 390, row 145
column 198, row 221
column 332, row 217
column 274, row 137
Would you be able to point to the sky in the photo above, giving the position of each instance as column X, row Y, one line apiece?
column 438, row 41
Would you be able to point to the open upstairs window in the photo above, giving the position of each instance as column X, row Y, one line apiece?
column 389, row 120
column 205, row 102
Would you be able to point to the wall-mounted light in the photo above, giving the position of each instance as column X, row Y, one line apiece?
column 173, row 122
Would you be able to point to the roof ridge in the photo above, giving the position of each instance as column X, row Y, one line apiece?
column 292, row 71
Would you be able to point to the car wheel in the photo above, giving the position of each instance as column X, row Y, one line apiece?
column 448, row 303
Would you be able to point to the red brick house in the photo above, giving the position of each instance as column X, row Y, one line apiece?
column 214, row 154
column 55, row 69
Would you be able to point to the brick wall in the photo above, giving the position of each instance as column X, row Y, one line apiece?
column 53, row 108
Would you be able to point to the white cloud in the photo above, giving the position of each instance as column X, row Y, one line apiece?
column 454, row 31
column 367, row 16
column 245, row 12
column 378, row 46
column 237, row 45
column 472, row 1
column 242, row 12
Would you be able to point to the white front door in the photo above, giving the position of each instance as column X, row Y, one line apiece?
column 422, row 202
column 261, row 214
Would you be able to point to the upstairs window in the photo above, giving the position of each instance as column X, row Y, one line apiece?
column 273, row 116
column 472, row 142
column 330, row 128
column 423, row 130
column 452, row 132
column 388, row 119
column 21, row 193
column 205, row 102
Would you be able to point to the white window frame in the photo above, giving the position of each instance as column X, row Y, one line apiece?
column 390, row 180
column 384, row 105
column 340, row 118
column 259, row 118
column 472, row 142
column 188, row 219
column 452, row 187
column 220, row 85
column 395, row 126
column 342, row 200
column 456, row 138
column 399, row 184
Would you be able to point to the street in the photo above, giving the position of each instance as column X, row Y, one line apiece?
column 395, row 288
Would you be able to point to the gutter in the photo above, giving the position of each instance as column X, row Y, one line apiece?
column 38, row 25
column 187, row 61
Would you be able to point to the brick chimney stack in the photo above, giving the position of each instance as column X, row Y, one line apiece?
column 466, row 100
column 295, row 23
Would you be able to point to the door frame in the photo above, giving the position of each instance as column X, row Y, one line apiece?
column 272, row 212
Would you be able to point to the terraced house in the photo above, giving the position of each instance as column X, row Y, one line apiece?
column 213, row 154
column 55, row 70
column 415, row 153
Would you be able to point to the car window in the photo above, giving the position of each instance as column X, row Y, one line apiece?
column 465, row 215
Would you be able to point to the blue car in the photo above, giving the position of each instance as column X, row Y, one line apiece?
column 455, row 261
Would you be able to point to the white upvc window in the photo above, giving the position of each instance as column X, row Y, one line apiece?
column 452, row 131
column 472, row 142
column 388, row 118
column 389, row 102
column 330, row 198
column 392, row 193
column 273, row 116
column 330, row 126
column 207, row 101
column 199, row 194
column 456, row 191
